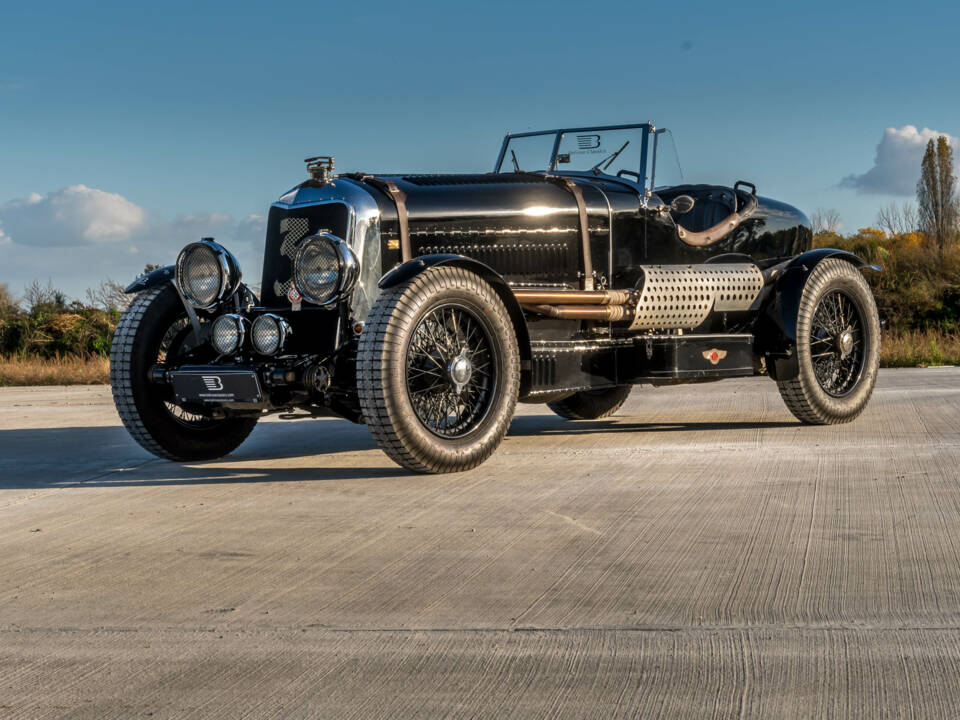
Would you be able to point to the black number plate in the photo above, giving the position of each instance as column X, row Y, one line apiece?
column 216, row 385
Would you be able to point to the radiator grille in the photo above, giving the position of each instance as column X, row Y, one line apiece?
column 286, row 227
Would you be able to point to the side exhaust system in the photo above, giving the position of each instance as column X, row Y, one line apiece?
column 666, row 297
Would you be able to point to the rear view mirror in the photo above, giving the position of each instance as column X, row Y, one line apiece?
column 682, row 204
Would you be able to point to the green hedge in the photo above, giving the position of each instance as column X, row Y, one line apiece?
column 46, row 325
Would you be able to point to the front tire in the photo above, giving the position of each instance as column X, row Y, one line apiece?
column 438, row 371
column 592, row 404
column 838, row 346
column 151, row 331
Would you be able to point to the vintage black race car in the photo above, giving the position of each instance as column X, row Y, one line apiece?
column 426, row 306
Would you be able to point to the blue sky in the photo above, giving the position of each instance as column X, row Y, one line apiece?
column 185, row 119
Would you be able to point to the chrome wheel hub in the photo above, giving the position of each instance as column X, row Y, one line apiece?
column 845, row 342
column 460, row 371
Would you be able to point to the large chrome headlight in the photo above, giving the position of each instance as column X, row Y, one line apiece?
column 206, row 273
column 325, row 269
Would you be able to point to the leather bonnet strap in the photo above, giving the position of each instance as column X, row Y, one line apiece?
column 577, row 192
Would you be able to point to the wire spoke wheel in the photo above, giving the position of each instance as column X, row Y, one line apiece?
column 837, row 346
column 451, row 371
column 438, row 370
column 837, row 343
column 170, row 345
column 154, row 330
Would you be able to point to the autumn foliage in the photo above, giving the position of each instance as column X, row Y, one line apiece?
column 917, row 288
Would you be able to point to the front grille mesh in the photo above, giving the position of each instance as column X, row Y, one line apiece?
column 286, row 228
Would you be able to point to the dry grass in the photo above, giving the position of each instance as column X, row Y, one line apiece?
column 918, row 348
column 56, row 371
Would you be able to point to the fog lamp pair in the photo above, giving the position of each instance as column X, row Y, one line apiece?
column 268, row 334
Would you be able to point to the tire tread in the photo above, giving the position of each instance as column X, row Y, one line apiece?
column 802, row 395
column 388, row 322
column 121, row 386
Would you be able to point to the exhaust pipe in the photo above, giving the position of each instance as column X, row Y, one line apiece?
column 572, row 297
column 600, row 313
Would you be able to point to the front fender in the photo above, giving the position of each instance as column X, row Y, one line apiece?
column 150, row 279
column 777, row 331
column 410, row 269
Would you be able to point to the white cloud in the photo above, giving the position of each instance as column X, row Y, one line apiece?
column 252, row 230
column 79, row 236
column 76, row 215
column 896, row 167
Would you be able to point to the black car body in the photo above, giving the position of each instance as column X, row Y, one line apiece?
column 606, row 280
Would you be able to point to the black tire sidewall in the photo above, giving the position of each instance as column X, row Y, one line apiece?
column 178, row 441
column 483, row 433
column 591, row 404
column 383, row 357
column 830, row 275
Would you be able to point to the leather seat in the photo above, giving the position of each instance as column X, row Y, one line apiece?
column 712, row 204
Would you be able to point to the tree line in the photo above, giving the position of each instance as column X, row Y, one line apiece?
column 915, row 244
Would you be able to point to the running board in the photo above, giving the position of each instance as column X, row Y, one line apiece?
column 558, row 366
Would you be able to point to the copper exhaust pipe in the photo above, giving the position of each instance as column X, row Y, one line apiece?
column 601, row 313
column 572, row 297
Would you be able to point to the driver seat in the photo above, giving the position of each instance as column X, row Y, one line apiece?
column 717, row 211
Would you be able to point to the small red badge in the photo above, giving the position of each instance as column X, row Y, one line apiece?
column 714, row 356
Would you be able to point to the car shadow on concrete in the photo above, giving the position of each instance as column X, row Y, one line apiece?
column 36, row 458
column 552, row 425
column 163, row 474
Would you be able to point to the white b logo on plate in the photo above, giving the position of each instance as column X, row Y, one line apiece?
column 213, row 382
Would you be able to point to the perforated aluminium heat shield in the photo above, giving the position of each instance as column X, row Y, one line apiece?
column 683, row 296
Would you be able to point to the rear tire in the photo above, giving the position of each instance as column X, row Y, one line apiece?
column 592, row 404
column 426, row 411
column 838, row 346
column 144, row 333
